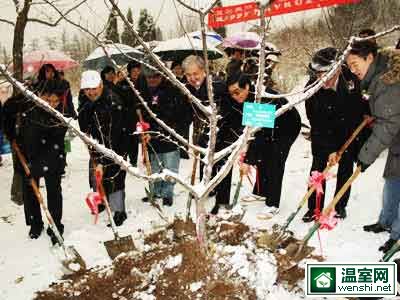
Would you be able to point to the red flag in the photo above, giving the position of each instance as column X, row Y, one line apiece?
column 221, row 16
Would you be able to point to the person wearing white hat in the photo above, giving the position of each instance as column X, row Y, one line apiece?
column 105, row 116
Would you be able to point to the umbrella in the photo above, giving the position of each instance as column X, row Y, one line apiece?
column 242, row 40
column 97, row 60
column 35, row 59
column 178, row 49
column 211, row 37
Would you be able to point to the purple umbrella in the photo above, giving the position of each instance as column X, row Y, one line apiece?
column 242, row 40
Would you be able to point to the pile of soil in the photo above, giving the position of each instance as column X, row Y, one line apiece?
column 172, row 267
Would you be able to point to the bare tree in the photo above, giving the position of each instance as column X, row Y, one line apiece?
column 22, row 9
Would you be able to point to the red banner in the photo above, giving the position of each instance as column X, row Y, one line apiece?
column 221, row 16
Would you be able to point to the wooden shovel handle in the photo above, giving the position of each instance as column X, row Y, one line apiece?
column 339, row 153
column 33, row 183
column 343, row 190
column 144, row 145
column 356, row 132
column 101, row 191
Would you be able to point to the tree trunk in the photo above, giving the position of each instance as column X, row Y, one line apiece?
column 18, row 43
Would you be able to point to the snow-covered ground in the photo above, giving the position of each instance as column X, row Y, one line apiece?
column 29, row 265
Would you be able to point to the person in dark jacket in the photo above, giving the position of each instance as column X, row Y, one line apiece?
column 68, row 105
column 270, row 147
column 169, row 104
column 380, row 79
column 236, row 60
column 138, row 80
column 49, row 72
column 334, row 112
column 41, row 140
column 103, row 114
column 194, row 68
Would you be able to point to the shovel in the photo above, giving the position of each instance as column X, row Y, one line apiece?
column 119, row 244
column 280, row 234
column 300, row 250
column 72, row 262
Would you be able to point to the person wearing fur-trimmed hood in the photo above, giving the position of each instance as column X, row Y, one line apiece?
column 379, row 73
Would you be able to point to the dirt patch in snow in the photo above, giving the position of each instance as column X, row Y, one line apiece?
column 171, row 265
column 173, row 268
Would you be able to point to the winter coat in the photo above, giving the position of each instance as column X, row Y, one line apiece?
column 38, row 134
column 382, row 84
column 200, row 121
column 170, row 106
column 286, row 129
column 107, row 121
column 230, row 125
column 334, row 115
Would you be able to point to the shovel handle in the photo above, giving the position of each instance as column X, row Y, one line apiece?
column 38, row 194
column 99, row 168
column 355, row 133
column 343, row 190
column 332, row 204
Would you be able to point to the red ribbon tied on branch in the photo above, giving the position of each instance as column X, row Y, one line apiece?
column 142, row 126
column 328, row 221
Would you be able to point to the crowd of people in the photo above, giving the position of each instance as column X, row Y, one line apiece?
column 367, row 85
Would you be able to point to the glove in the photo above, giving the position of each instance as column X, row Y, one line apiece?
column 362, row 165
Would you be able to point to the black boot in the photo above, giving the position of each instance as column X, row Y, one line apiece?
column 167, row 201
column 341, row 213
column 309, row 216
column 119, row 217
column 35, row 231
column 387, row 245
column 215, row 209
column 375, row 228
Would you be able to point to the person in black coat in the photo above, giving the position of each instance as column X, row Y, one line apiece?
column 49, row 73
column 194, row 68
column 103, row 114
column 40, row 137
column 270, row 147
column 138, row 80
column 171, row 107
column 334, row 112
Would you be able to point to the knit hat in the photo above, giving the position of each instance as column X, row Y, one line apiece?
column 323, row 60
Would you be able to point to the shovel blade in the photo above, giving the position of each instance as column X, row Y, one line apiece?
column 298, row 251
column 119, row 245
column 73, row 262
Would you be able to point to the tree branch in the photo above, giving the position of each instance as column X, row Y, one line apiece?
column 139, row 96
column 164, row 175
column 35, row 20
column 197, row 11
column 7, row 22
column 206, row 110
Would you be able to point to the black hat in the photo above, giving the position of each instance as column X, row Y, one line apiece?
column 323, row 60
